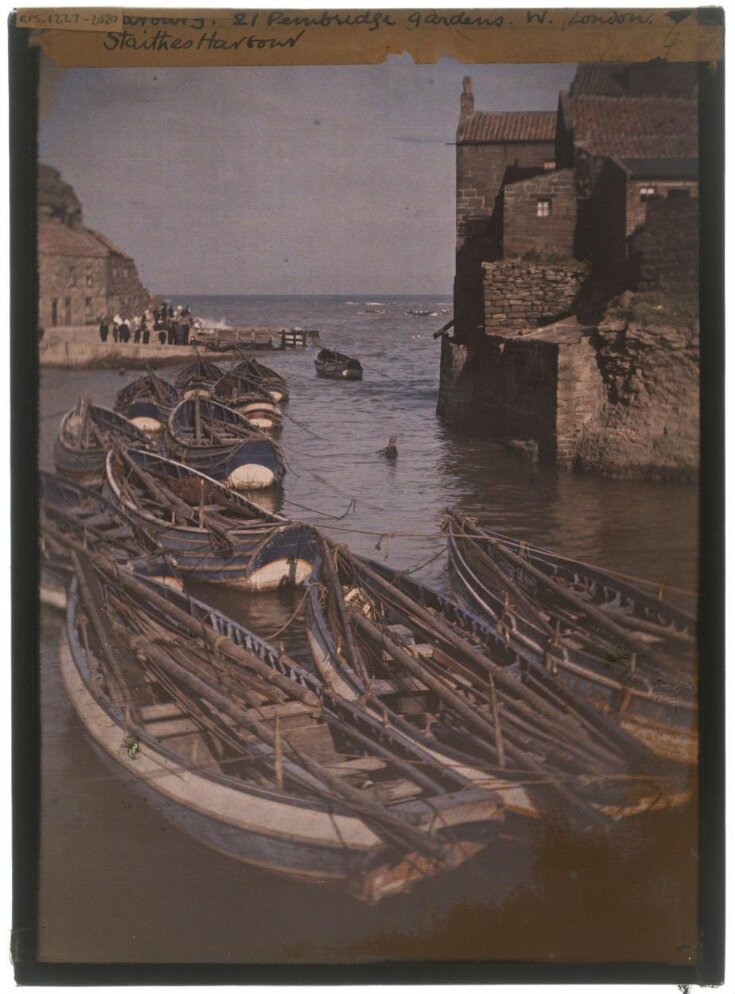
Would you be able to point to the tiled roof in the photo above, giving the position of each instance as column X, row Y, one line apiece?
column 508, row 126
column 643, row 127
column 639, row 79
column 59, row 239
column 108, row 244
column 686, row 168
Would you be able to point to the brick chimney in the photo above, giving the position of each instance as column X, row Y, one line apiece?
column 467, row 100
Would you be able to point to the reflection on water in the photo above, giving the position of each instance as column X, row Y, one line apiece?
column 120, row 884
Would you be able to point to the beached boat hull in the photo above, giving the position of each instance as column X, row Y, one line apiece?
column 251, row 463
column 267, row 552
column 669, row 728
column 298, row 837
column 86, row 464
column 72, row 511
column 516, row 659
column 147, row 402
column 264, row 377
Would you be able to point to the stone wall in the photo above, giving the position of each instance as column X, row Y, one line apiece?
column 636, row 212
column 456, row 402
column 77, row 285
column 519, row 392
column 125, row 292
column 647, row 424
column 668, row 247
column 480, row 171
column 525, row 231
column 521, row 295
column 535, row 392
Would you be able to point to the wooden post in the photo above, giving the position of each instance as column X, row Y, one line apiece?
column 278, row 753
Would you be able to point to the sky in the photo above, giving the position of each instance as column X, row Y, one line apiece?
column 276, row 180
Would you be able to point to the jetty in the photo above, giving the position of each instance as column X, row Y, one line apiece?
column 81, row 348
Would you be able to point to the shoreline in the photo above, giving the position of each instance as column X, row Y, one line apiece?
column 80, row 348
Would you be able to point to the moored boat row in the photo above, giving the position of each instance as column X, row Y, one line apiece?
column 419, row 725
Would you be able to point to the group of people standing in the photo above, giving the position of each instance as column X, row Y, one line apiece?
column 171, row 325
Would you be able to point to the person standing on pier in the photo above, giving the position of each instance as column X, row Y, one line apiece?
column 104, row 329
column 146, row 334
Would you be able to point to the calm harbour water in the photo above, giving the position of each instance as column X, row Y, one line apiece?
column 119, row 884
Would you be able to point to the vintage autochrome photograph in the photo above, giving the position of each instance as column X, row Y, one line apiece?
column 369, row 452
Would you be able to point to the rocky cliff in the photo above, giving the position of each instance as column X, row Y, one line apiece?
column 647, row 423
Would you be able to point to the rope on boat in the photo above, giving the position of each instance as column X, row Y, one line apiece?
column 362, row 362
column 290, row 621
column 323, row 514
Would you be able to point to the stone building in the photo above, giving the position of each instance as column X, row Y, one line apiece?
column 557, row 213
column 82, row 274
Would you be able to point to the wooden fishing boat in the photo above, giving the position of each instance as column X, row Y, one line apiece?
column 264, row 377
column 147, row 402
column 237, row 745
column 84, row 438
column 630, row 653
column 218, row 441
column 336, row 366
column 477, row 697
column 197, row 379
column 249, row 399
column 73, row 516
column 214, row 533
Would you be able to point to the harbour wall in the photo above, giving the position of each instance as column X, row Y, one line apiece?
column 620, row 397
column 81, row 348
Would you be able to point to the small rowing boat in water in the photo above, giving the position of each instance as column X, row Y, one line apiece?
column 250, row 400
column 197, row 379
column 147, row 402
column 475, row 697
column 218, row 441
column 85, row 435
column 336, row 366
column 630, row 653
column 264, row 377
column 214, row 533
column 73, row 516
column 240, row 747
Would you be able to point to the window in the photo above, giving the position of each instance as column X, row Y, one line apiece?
column 89, row 277
column 72, row 276
column 679, row 193
column 87, row 306
column 647, row 193
column 549, row 165
column 543, row 207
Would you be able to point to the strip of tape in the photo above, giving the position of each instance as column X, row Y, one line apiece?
column 91, row 36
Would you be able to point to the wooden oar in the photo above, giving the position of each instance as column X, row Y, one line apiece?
column 468, row 713
column 601, row 617
column 165, row 496
column 511, row 684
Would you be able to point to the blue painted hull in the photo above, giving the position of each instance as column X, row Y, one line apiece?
column 265, row 550
column 84, row 462
column 304, row 837
column 335, row 366
column 667, row 723
column 220, row 459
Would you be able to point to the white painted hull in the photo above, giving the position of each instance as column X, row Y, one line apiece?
column 151, row 426
column 251, row 476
